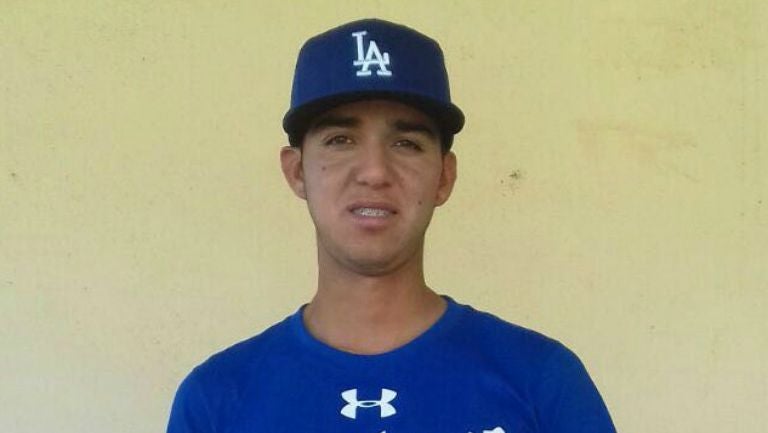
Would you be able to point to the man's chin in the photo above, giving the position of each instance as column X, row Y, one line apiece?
column 374, row 267
column 375, row 260
column 378, row 265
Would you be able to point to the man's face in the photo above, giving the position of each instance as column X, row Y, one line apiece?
column 372, row 173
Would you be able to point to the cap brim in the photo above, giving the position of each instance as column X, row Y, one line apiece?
column 449, row 117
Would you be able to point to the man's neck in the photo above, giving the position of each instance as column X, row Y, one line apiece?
column 372, row 314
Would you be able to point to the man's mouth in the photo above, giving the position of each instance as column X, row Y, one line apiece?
column 372, row 212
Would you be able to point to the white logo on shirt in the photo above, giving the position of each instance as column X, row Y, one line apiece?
column 496, row 430
column 365, row 59
column 385, row 408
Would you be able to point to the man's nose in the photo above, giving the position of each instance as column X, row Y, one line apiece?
column 374, row 167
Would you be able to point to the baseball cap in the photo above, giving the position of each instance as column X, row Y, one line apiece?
column 369, row 59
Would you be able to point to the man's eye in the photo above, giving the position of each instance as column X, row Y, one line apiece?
column 408, row 144
column 338, row 139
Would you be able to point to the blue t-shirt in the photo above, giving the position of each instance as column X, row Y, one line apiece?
column 471, row 372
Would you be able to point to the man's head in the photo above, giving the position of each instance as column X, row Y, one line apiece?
column 371, row 59
column 371, row 124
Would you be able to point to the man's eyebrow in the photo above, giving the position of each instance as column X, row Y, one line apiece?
column 415, row 126
column 334, row 121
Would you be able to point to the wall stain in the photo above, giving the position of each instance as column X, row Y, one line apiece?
column 646, row 146
column 511, row 181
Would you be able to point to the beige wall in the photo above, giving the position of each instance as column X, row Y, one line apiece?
column 612, row 194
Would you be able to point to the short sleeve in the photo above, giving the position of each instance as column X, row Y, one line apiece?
column 190, row 412
column 567, row 400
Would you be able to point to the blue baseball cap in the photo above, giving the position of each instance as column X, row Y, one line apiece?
column 371, row 59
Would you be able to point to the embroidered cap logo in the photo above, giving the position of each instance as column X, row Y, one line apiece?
column 371, row 56
column 385, row 408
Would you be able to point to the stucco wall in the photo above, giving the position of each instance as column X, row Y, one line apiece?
column 612, row 194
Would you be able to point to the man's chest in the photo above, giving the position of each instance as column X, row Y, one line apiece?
column 420, row 402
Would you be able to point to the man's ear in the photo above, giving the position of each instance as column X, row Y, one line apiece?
column 447, row 178
column 290, row 162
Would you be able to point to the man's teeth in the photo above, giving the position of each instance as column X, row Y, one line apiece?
column 371, row 212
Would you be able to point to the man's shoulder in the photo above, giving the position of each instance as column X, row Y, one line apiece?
column 496, row 328
column 245, row 355
column 492, row 337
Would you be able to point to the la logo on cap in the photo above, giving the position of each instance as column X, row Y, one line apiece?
column 370, row 57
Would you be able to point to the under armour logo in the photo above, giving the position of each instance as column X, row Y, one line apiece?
column 370, row 57
column 350, row 409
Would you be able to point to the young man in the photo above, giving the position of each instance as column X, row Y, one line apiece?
column 371, row 125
